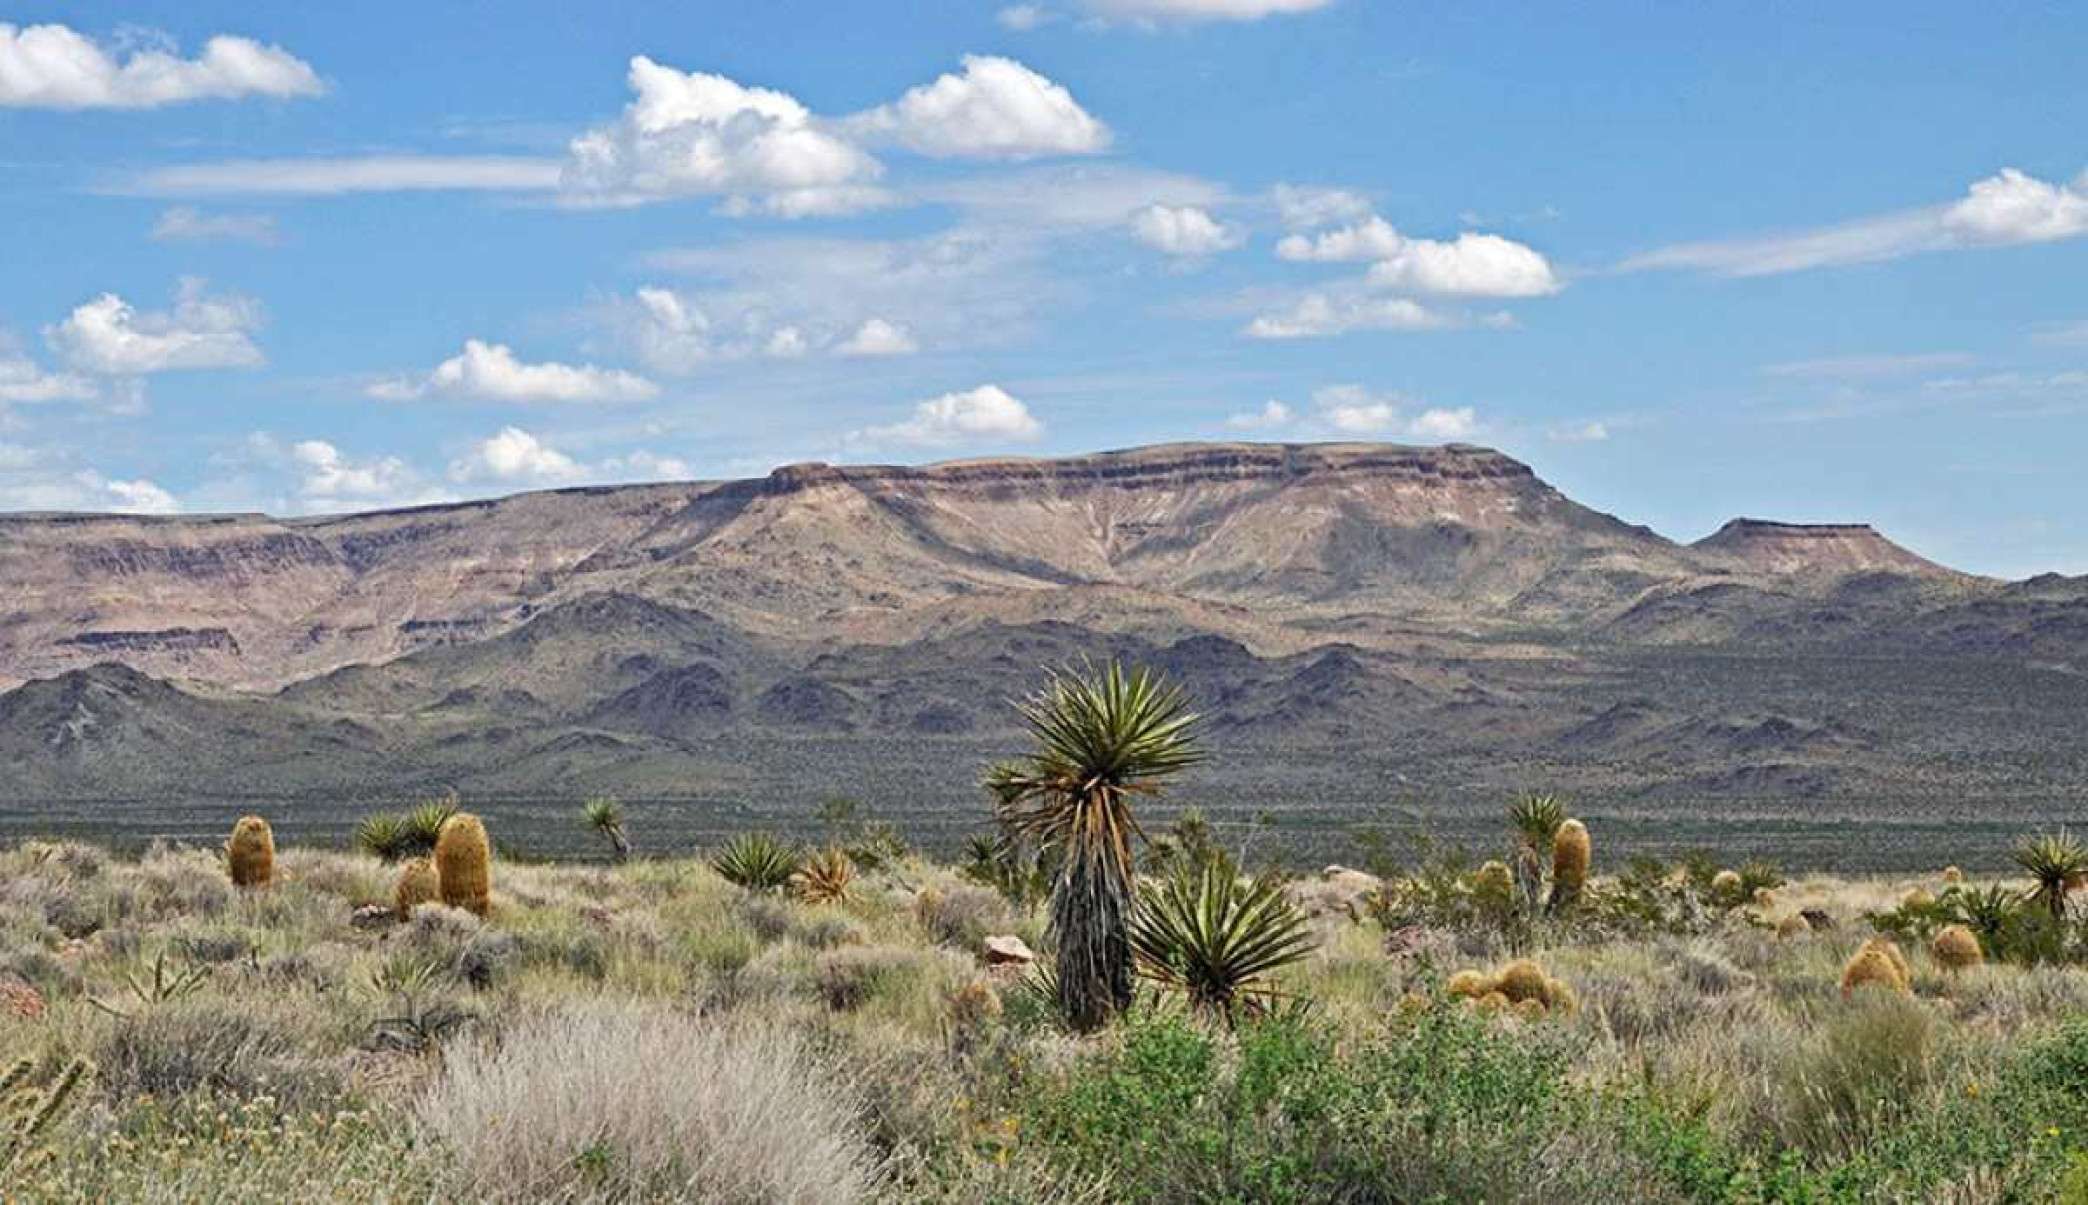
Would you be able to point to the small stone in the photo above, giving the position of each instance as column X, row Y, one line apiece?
column 372, row 916
column 1008, row 950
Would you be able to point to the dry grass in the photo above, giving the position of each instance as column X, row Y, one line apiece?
column 650, row 1031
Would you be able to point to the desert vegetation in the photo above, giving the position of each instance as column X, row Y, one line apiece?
column 1077, row 1010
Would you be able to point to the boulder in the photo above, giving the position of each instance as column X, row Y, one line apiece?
column 1006, row 949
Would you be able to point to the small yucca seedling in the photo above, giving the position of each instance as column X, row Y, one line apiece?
column 167, row 984
column 1205, row 933
column 757, row 862
column 2054, row 861
column 606, row 816
column 824, row 877
column 27, row 1114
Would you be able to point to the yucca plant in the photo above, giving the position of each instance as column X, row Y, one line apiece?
column 606, row 816
column 383, row 835
column 757, row 862
column 2053, row 861
column 1104, row 738
column 1536, row 820
column 1019, row 874
column 424, row 824
column 824, row 876
column 1987, row 911
column 1205, row 932
column 167, row 984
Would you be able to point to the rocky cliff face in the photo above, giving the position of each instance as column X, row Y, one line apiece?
column 1815, row 548
column 1362, row 536
column 1357, row 622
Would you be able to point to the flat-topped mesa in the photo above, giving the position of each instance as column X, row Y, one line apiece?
column 1174, row 465
column 1828, row 548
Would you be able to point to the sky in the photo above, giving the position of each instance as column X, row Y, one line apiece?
column 1691, row 262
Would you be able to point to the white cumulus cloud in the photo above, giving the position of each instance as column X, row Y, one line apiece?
column 876, row 337
column 1317, row 315
column 1471, row 265
column 514, row 456
column 491, row 372
column 140, row 497
column 1273, row 414
column 698, row 134
column 995, row 108
column 108, row 336
column 1311, row 206
column 988, row 413
column 1183, row 230
column 55, row 67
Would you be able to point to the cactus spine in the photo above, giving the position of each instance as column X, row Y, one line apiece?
column 418, row 884
column 463, row 864
column 250, row 854
column 1572, row 851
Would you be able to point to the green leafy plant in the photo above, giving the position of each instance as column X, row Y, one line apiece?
column 1103, row 738
column 409, row 834
column 606, row 816
column 2054, row 862
column 1205, row 933
column 757, row 862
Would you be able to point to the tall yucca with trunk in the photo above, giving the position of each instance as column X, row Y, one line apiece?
column 2054, row 862
column 1104, row 738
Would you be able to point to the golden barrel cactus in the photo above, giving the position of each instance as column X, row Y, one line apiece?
column 418, row 884
column 1523, row 980
column 1494, row 1002
column 1918, row 898
column 1494, row 878
column 464, row 864
column 250, row 854
column 1792, row 926
column 1876, row 963
column 1956, row 948
column 1469, row 984
column 1953, row 876
column 1572, row 852
column 1727, row 882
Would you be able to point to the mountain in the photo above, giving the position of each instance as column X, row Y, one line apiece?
column 1359, row 622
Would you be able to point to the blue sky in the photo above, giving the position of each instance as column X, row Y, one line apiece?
column 1690, row 264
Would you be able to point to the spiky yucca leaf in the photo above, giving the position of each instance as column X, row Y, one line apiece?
column 2054, row 861
column 757, row 862
column 384, row 835
column 1216, row 938
column 1536, row 820
column 824, row 876
column 1987, row 910
column 1103, row 738
column 424, row 823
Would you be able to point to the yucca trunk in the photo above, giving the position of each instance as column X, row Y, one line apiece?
column 619, row 843
column 1091, row 919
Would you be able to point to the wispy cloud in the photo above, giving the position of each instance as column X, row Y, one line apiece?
column 1867, row 367
column 353, row 174
column 2009, row 208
